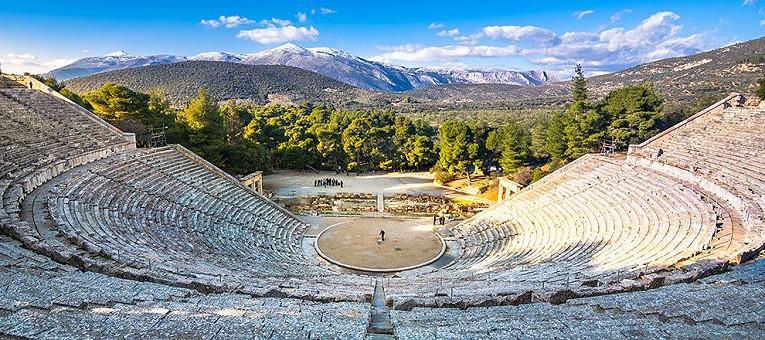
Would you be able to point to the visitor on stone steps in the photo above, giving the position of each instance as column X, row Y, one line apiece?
column 442, row 218
column 382, row 235
column 434, row 219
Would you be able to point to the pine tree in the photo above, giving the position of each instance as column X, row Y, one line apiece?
column 634, row 113
column 579, row 85
column 515, row 147
column 556, row 144
column 586, row 124
column 204, row 126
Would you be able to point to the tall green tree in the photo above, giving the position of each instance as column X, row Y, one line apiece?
column 556, row 143
column 512, row 143
column 586, row 125
column 421, row 152
column 579, row 85
column 357, row 143
column 114, row 102
column 458, row 152
column 539, row 139
column 635, row 113
column 204, row 126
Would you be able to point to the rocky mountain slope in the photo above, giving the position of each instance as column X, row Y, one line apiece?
column 682, row 80
column 330, row 62
column 110, row 62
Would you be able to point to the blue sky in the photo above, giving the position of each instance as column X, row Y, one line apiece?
column 603, row 35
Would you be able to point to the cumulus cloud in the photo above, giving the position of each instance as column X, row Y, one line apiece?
column 27, row 62
column 227, row 21
column 275, row 30
column 517, row 33
column 656, row 37
column 302, row 17
column 419, row 53
column 618, row 15
column 435, row 26
column 276, row 35
column 326, row 11
column 583, row 13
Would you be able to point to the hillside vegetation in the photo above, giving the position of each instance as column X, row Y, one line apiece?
column 679, row 81
column 258, row 84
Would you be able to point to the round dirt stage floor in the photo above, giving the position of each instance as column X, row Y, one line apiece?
column 356, row 244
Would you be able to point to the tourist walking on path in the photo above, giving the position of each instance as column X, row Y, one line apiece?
column 382, row 235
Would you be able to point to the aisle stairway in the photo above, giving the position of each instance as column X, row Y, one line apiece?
column 380, row 326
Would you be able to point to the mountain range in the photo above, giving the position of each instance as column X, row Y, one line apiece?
column 330, row 62
column 683, row 81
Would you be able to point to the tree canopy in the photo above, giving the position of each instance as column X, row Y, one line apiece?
column 242, row 138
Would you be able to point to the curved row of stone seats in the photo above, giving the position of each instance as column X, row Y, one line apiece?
column 721, row 150
column 43, row 136
column 30, row 280
column 162, row 213
column 42, row 299
column 722, row 306
column 597, row 220
column 596, row 217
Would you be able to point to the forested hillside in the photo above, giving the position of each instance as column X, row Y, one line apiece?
column 244, row 137
column 258, row 84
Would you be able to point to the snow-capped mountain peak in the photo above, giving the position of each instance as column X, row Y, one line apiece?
column 117, row 54
column 288, row 47
column 219, row 56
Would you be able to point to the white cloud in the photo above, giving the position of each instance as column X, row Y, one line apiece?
column 603, row 50
column 656, row 37
column 471, row 39
column 450, row 33
column 435, row 25
column 618, row 15
column 277, row 30
column 227, row 21
column 27, row 62
column 302, row 17
column 516, row 33
column 583, row 13
column 275, row 35
column 274, row 22
column 418, row 53
column 762, row 22
column 749, row 2
column 326, row 11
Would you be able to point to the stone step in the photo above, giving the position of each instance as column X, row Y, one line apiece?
column 379, row 320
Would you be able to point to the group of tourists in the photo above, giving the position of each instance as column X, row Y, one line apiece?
column 328, row 182
column 439, row 219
